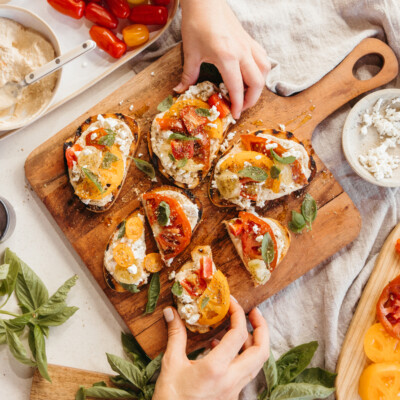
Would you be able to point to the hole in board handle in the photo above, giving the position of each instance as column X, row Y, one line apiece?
column 368, row 66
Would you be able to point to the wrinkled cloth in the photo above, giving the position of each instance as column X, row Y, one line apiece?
column 305, row 40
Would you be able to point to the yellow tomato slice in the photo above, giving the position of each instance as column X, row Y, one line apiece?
column 134, row 228
column 123, row 255
column 379, row 346
column 122, row 275
column 236, row 161
column 214, row 132
column 380, row 382
column 180, row 104
column 153, row 262
column 214, row 302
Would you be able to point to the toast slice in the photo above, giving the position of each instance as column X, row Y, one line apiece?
column 201, row 292
column 98, row 158
column 198, row 130
column 249, row 174
column 182, row 213
column 247, row 233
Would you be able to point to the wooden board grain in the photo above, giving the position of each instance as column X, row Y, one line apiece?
column 88, row 233
column 352, row 360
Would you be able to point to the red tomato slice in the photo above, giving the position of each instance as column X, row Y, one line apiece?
column 92, row 138
column 191, row 119
column 236, row 228
column 181, row 149
column 171, row 124
column 220, row 104
column 251, row 247
column 206, row 268
column 175, row 237
column 388, row 308
column 70, row 155
column 202, row 149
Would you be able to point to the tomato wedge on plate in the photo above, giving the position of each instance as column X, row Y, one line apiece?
column 174, row 237
column 220, row 104
column 388, row 308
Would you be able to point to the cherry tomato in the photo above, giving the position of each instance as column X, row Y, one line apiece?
column 107, row 41
column 149, row 15
column 397, row 246
column 72, row 8
column 92, row 139
column 171, row 124
column 120, row 8
column 100, row 16
column 220, row 104
column 70, row 155
column 388, row 308
column 135, row 35
column 206, row 267
column 181, row 149
column 202, row 148
column 191, row 119
column 161, row 2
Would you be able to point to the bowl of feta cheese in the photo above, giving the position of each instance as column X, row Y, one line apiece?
column 371, row 138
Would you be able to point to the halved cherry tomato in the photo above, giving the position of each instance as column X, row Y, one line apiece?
column 379, row 346
column 194, row 284
column 70, row 155
column 397, row 246
column 135, row 35
column 181, row 149
column 171, row 124
column 72, row 8
column 149, row 15
column 191, row 119
column 100, row 16
column 236, row 228
column 120, row 8
column 134, row 228
column 174, row 237
column 153, row 262
column 206, row 267
column 388, row 308
column 92, row 138
column 123, row 255
column 107, row 41
column 220, row 104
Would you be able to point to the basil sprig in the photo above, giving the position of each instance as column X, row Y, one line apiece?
column 177, row 289
column 93, row 177
column 255, row 173
column 108, row 159
column 289, row 378
column 109, row 139
column 179, row 136
column 39, row 311
column 153, row 293
column 163, row 213
column 275, row 172
column 121, row 229
column 267, row 249
column 165, row 104
column 145, row 167
column 282, row 160
column 308, row 214
column 203, row 112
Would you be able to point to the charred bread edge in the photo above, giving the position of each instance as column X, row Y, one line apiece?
column 134, row 127
column 213, row 193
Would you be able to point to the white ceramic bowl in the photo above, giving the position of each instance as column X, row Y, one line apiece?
column 31, row 20
column 354, row 143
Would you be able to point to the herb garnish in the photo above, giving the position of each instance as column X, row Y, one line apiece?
column 171, row 157
column 165, row 104
column 282, row 160
column 177, row 289
column 153, row 293
column 308, row 214
column 108, row 159
column 203, row 112
column 91, row 176
column 267, row 249
column 179, row 136
column 163, row 213
column 275, row 172
column 145, row 167
column 121, row 230
column 109, row 139
column 130, row 287
column 182, row 162
column 255, row 173
column 204, row 302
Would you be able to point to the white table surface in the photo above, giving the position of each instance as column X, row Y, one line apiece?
column 95, row 329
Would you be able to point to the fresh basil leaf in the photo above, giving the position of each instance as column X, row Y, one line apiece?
column 17, row 325
column 58, row 318
column 152, row 367
column 131, row 346
column 17, row 348
column 203, row 112
column 7, row 286
column 92, row 177
column 121, row 230
column 300, row 391
column 119, row 381
column 179, row 136
column 194, row 354
column 4, row 271
column 254, row 173
column 298, row 220
column 171, row 157
column 31, row 340
column 177, row 289
column 153, row 293
column 293, row 228
column 145, row 167
column 100, row 392
column 130, row 287
column 109, row 139
column 108, row 159
column 282, row 160
column 148, row 391
column 317, row 376
column 2, row 332
column 40, row 354
column 267, row 249
column 80, row 394
column 263, row 395
column 270, row 373
column 101, row 383
column 204, row 302
column 165, row 104
column 182, row 162
column 127, row 370
column 309, row 208
column 57, row 301
column 275, row 172
column 163, row 213
column 294, row 362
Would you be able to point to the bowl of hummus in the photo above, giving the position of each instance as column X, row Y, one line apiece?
column 26, row 43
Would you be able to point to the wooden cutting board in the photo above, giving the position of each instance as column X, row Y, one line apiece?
column 338, row 222
column 352, row 359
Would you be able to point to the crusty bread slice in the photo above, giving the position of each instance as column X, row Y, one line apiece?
column 239, row 248
column 134, row 127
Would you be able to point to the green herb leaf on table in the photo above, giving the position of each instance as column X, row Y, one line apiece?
column 101, row 392
column 204, row 302
column 130, row 287
column 298, row 221
column 31, row 340
column 80, row 394
column 254, row 173
column 282, row 160
column 121, row 230
column 182, row 162
column 166, row 104
column 152, row 367
column 7, row 285
column 179, row 136
column 145, row 167
column 40, row 352
column 131, row 346
column 108, row 159
column 271, row 373
column 317, row 376
column 163, row 213
column 177, row 288
column 267, row 249
column 275, row 172
column 127, row 370
column 93, row 177
column 153, row 293
column 101, row 383
column 62, row 315
column 109, row 139
column 17, row 348
column 203, row 112
column 309, row 209
column 300, row 391
column 4, row 271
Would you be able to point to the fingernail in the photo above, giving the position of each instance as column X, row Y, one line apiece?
column 179, row 87
column 234, row 299
column 168, row 314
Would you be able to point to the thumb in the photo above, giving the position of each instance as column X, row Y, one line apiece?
column 191, row 71
column 177, row 337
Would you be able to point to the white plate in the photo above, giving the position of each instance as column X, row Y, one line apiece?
column 354, row 143
column 90, row 68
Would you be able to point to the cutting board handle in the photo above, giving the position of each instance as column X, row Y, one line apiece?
column 340, row 85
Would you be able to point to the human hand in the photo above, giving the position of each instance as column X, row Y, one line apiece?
column 224, row 371
column 212, row 33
